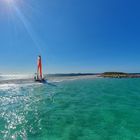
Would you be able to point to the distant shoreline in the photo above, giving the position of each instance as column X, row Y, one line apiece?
column 120, row 75
column 72, row 76
column 49, row 78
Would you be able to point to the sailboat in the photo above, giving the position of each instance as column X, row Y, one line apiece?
column 39, row 76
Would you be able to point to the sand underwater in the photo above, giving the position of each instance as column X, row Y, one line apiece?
column 81, row 109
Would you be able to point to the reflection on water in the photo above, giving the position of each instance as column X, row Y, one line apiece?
column 20, row 109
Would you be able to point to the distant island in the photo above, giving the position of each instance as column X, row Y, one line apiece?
column 120, row 75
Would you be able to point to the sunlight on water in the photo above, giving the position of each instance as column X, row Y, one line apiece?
column 16, row 104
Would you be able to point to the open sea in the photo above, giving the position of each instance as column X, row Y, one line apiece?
column 84, row 109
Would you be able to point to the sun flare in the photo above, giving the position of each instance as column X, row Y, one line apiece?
column 9, row 1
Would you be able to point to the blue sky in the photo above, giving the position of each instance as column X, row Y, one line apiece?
column 71, row 35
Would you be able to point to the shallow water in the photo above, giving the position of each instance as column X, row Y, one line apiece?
column 91, row 109
column 14, row 76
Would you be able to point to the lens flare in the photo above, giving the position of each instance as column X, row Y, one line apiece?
column 9, row 1
column 14, row 8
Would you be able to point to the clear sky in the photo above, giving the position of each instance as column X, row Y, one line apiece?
column 71, row 35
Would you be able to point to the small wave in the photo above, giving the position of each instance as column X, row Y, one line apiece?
column 7, row 86
column 16, row 87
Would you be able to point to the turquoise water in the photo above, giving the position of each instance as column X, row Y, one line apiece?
column 94, row 109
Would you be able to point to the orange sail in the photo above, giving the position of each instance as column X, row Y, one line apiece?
column 39, row 68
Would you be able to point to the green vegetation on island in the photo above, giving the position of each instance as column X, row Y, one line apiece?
column 120, row 75
column 115, row 75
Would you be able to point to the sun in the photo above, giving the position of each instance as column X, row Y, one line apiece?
column 9, row 1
